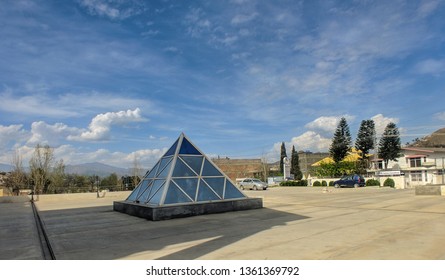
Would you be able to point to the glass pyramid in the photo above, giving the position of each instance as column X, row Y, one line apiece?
column 184, row 175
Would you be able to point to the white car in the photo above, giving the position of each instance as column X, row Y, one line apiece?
column 252, row 184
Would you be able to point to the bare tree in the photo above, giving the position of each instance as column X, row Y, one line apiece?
column 40, row 164
column 136, row 171
column 17, row 179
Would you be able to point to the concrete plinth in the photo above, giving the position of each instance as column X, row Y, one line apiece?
column 157, row 213
column 430, row 190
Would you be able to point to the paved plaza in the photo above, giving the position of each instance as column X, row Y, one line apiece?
column 296, row 223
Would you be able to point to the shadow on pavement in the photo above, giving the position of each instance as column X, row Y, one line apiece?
column 101, row 233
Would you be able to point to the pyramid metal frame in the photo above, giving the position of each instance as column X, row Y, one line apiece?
column 186, row 178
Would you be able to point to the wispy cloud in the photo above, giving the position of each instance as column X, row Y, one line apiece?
column 112, row 9
column 435, row 67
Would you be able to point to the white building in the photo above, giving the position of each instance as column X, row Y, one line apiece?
column 416, row 166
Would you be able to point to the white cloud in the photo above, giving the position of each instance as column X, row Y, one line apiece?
column 311, row 141
column 43, row 133
column 12, row 134
column 381, row 122
column 327, row 125
column 440, row 116
column 100, row 126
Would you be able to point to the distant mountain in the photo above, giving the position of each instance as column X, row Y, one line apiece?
column 434, row 140
column 5, row 167
column 96, row 168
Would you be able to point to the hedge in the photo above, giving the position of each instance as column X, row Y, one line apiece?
column 316, row 184
column 372, row 182
column 296, row 183
column 389, row 183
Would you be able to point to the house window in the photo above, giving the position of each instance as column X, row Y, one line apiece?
column 415, row 162
column 378, row 164
column 416, row 176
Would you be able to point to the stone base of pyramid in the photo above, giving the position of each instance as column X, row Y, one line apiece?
column 157, row 213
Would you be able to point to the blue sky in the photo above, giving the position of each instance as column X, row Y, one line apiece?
column 115, row 80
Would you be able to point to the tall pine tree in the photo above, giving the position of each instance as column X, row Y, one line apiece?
column 341, row 143
column 365, row 139
column 295, row 165
column 282, row 156
column 390, row 145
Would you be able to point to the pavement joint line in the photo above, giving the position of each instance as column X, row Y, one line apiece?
column 45, row 245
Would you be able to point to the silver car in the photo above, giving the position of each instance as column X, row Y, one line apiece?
column 252, row 184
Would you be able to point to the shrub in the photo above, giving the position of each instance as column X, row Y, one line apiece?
column 296, row 183
column 389, row 183
column 331, row 183
column 324, row 183
column 316, row 184
column 372, row 182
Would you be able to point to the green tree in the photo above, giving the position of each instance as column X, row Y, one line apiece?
column 57, row 178
column 365, row 140
column 390, row 145
column 282, row 156
column 295, row 165
column 341, row 143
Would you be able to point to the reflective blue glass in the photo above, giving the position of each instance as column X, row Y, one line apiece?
column 182, row 170
column 175, row 195
column 187, row 148
column 156, row 198
column 172, row 149
column 134, row 194
column 232, row 191
column 145, row 192
column 188, row 185
column 156, row 191
column 205, row 193
column 210, row 170
column 217, row 184
column 152, row 172
column 163, row 162
column 164, row 173
column 195, row 162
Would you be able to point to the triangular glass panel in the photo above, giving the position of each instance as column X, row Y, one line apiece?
column 187, row 148
column 182, row 170
column 152, row 172
column 163, row 162
column 156, row 193
column 134, row 194
column 143, row 197
column 217, row 184
column 164, row 173
column 188, row 185
column 210, row 170
column 175, row 195
column 205, row 193
column 232, row 191
column 172, row 149
column 195, row 162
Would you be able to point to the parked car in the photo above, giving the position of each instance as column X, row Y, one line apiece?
column 252, row 184
column 350, row 181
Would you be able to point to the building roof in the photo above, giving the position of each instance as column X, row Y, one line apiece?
column 352, row 156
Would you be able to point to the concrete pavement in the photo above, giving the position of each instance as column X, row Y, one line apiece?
column 296, row 223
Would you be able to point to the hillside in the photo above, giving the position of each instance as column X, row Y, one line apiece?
column 434, row 140
column 95, row 168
